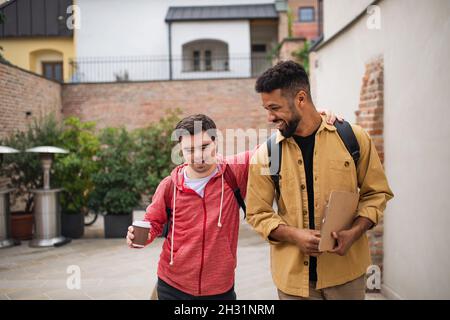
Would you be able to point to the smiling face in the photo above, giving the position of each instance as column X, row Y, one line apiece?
column 281, row 111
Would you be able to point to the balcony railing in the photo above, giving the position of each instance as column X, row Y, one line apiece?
column 148, row 68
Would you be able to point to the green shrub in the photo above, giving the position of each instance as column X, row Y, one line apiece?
column 24, row 169
column 153, row 153
column 106, row 172
column 115, row 183
column 74, row 171
column 302, row 55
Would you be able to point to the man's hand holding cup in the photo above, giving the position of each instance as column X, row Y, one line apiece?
column 138, row 234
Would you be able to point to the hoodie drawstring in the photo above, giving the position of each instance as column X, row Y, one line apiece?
column 219, row 224
column 173, row 222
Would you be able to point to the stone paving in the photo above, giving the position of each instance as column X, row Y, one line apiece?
column 110, row 270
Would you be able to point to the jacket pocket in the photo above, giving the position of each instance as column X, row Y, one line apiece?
column 285, row 205
column 342, row 175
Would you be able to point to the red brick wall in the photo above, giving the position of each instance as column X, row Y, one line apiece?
column 308, row 30
column 21, row 92
column 232, row 103
column 370, row 117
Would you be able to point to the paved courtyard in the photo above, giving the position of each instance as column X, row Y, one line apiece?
column 110, row 270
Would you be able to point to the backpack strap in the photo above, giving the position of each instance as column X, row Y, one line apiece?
column 275, row 162
column 168, row 202
column 230, row 179
column 347, row 135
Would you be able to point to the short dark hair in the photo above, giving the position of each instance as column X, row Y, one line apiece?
column 288, row 76
column 187, row 125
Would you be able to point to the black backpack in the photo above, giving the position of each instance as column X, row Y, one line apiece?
column 344, row 130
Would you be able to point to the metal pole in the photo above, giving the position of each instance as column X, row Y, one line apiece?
column 170, row 51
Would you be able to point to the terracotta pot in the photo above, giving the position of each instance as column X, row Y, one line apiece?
column 21, row 225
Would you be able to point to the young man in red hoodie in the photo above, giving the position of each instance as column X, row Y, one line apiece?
column 198, row 258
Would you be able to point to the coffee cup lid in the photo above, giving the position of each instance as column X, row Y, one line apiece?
column 142, row 224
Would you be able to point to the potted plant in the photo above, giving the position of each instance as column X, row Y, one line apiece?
column 24, row 171
column 74, row 174
column 115, row 183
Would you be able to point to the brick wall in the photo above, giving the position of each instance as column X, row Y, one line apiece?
column 308, row 30
column 23, row 96
column 289, row 46
column 232, row 103
column 370, row 117
column 23, row 92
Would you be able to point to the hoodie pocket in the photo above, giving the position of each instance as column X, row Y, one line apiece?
column 186, row 261
column 178, row 255
column 219, row 261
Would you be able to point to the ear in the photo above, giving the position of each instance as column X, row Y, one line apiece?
column 216, row 145
column 300, row 99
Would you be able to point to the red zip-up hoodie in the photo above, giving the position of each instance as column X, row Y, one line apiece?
column 199, row 255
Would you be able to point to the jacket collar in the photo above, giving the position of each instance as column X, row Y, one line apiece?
column 324, row 125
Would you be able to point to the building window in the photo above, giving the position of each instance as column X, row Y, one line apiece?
column 208, row 61
column 196, row 61
column 306, row 14
column 259, row 48
column 205, row 55
column 53, row 70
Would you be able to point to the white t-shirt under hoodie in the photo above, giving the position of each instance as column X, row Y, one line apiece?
column 198, row 185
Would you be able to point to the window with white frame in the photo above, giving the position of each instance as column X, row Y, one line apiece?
column 205, row 55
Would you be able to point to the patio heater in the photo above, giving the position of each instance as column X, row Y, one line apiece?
column 47, row 211
column 5, row 219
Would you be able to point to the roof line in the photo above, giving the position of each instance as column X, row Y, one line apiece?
column 9, row 64
column 223, row 5
column 219, row 19
column 7, row 3
column 322, row 44
column 173, row 16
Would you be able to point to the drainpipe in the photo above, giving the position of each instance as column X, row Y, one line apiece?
column 170, row 50
column 320, row 7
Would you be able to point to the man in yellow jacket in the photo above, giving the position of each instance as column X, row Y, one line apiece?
column 314, row 162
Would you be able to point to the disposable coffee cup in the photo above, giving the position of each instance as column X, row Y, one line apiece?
column 141, row 230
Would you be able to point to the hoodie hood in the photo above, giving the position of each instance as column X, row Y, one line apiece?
column 178, row 177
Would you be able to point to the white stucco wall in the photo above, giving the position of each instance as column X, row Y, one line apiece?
column 340, row 68
column 115, row 28
column 416, row 134
column 130, row 28
column 226, row 31
column 338, row 13
column 417, row 140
